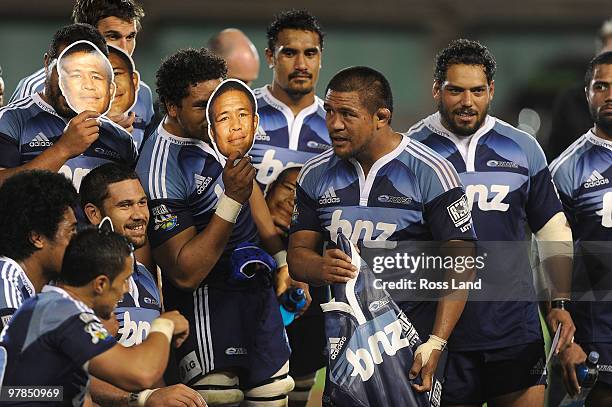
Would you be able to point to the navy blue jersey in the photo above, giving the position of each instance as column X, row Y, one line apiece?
column 183, row 181
column 582, row 175
column 15, row 288
column 138, row 308
column 507, row 184
column 30, row 126
column 409, row 194
column 282, row 139
column 49, row 342
column 143, row 109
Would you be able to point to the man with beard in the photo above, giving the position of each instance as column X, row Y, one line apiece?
column 114, row 192
column 37, row 224
column 42, row 132
column 291, row 131
column 581, row 174
column 496, row 353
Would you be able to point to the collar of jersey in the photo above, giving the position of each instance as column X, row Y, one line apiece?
column 434, row 123
column 271, row 100
column 593, row 138
column 45, row 106
column 80, row 304
column 30, row 286
column 183, row 141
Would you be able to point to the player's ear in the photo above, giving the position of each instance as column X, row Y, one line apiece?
column 382, row 117
column 491, row 90
column 269, row 57
column 37, row 240
column 93, row 213
column 172, row 110
column 100, row 284
column 256, row 122
column 436, row 90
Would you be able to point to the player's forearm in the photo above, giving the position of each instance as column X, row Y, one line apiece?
column 304, row 265
column 107, row 395
column 51, row 159
column 146, row 363
column 263, row 220
column 448, row 313
column 555, row 247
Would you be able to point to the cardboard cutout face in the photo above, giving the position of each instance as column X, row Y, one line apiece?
column 127, row 80
column 86, row 78
column 232, row 118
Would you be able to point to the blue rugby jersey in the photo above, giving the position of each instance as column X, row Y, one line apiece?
column 49, row 342
column 183, row 181
column 138, row 308
column 283, row 139
column 582, row 175
column 30, row 126
column 15, row 288
column 143, row 109
column 507, row 183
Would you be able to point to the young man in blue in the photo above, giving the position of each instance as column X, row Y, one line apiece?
column 115, row 192
column 201, row 220
column 348, row 190
column 42, row 132
column 119, row 22
column 581, row 174
column 496, row 353
column 34, row 236
column 56, row 338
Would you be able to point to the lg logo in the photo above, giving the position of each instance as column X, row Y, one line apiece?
column 480, row 193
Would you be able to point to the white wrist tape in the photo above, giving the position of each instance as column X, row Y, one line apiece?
column 281, row 259
column 228, row 209
column 433, row 343
column 555, row 238
column 140, row 399
column 164, row 326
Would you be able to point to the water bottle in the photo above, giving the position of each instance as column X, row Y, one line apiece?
column 291, row 303
column 586, row 373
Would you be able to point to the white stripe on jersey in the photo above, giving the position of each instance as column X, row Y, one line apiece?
column 6, row 275
column 416, row 127
column 26, row 85
column 446, row 174
column 570, row 151
column 159, row 159
column 164, row 166
column 313, row 163
column 20, row 104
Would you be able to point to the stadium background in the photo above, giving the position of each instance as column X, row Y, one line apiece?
column 541, row 46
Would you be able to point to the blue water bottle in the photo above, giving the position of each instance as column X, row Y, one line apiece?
column 291, row 303
column 586, row 373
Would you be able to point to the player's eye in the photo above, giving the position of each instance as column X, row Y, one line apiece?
column 131, row 37
column 599, row 86
column 288, row 52
column 244, row 114
column 112, row 37
column 311, row 54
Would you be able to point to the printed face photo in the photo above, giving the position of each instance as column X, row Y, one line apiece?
column 127, row 81
column 232, row 118
column 86, row 78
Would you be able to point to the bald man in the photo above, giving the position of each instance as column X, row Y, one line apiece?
column 239, row 53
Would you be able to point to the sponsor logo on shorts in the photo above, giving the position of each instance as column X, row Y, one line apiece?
column 235, row 351
column 605, row 368
column 376, row 305
column 189, row 367
column 502, row 164
column 335, row 346
column 403, row 200
column 435, row 396
column 459, row 211
column 539, row 368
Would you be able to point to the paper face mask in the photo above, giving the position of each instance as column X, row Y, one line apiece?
column 127, row 81
column 232, row 118
column 86, row 78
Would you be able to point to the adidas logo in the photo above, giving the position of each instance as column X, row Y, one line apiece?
column 329, row 197
column 335, row 346
column 539, row 368
column 201, row 182
column 595, row 180
column 40, row 141
column 261, row 135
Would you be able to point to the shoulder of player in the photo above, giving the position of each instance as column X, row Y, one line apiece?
column 423, row 160
column 317, row 165
column 20, row 110
column 57, row 307
column 9, row 283
column 522, row 138
column 566, row 161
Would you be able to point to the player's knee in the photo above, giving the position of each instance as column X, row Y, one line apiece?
column 272, row 392
column 219, row 388
column 301, row 392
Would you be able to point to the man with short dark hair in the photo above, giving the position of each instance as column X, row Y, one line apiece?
column 238, row 52
column 508, row 186
column 56, row 338
column 582, row 176
column 347, row 190
column 38, row 222
column 119, row 22
column 42, row 132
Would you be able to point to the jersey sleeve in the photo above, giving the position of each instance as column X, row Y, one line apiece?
column 305, row 211
column 10, row 136
column 542, row 201
column 10, row 300
column 147, row 100
column 563, row 178
column 82, row 337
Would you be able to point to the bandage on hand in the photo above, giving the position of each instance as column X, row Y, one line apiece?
column 433, row 343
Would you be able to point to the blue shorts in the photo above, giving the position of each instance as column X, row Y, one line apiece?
column 605, row 360
column 237, row 330
column 474, row 377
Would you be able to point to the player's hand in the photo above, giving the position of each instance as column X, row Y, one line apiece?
column 181, row 326
column 177, row 395
column 111, row 324
column 238, row 179
column 572, row 356
column 81, row 132
column 337, row 267
column 125, row 120
column 284, row 282
column 558, row 316
column 426, row 371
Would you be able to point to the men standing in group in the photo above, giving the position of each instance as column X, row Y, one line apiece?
column 291, row 131
column 582, row 175
column 203, row 237
column 347, row 189
column 119, row 22
column 38, row 223
column 239, row 54
column 41, row 131
column 114, row 193
column 507, row 182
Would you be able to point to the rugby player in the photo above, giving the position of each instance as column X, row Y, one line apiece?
column 239, row 54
